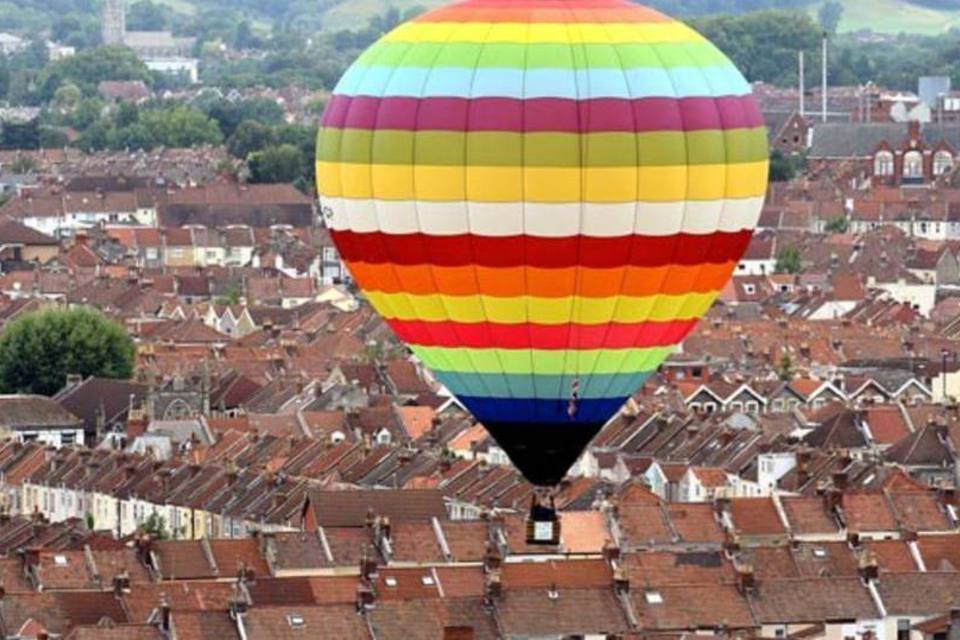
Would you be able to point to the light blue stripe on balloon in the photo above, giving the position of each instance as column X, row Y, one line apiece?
column 458, row 82
column 497, row 385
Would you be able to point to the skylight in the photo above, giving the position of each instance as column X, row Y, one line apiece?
column 296, row 621
column 427, row 580
column 60, row 560
column 391, row 582
column 653, row 597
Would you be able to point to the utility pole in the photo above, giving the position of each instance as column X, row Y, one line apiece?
column 824, row 72
column 803, row 98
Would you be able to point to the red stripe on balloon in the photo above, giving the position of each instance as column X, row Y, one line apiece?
column 543, row 114
column 545, row 253
column 488, row 335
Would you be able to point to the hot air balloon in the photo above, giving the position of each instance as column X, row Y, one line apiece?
column 542, row 198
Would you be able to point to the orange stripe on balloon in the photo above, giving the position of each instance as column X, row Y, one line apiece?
column 542, row 283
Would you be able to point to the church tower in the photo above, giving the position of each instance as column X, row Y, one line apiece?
column 114, row 21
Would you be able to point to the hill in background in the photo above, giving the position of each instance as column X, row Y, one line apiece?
column 884, row 16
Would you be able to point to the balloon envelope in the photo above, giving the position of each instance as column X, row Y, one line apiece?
column 542, row 198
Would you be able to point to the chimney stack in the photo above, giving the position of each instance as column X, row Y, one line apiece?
column 953, row 631
column 869, row 569
column 621, row 580
column 366, row 599
column 494, row 588
column 746, row 579
column 458, row 633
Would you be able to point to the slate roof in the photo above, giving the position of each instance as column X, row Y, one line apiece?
column 31, row 411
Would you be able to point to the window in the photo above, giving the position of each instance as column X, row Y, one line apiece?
column 883, row 164
column 903, row 629
column 778, row 405
column 942, row 163
column 753, row 407
column 383, row 437
column 913, row 164
column 67, row 438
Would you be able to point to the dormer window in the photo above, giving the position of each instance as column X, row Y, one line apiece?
column 883, row 164
column 942, row 163
column 913, row 164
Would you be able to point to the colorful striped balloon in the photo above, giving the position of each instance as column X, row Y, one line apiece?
column 542, row 197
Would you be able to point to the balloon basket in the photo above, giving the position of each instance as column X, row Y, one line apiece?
column 543, row 523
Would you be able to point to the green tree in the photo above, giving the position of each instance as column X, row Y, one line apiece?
column 23, row 164
column 39, row 349
column 283, row 163
column 829, row 15
column 789, row 260
column 180, row 126
column 156, row 527
column 146, row 16
column 840, row 224
column 53, row 138
column 67, row 97
column 782, row 168
column 20, row 135
column 249, row 137
column 88, row 68
column 786, row 366
column 763, row 45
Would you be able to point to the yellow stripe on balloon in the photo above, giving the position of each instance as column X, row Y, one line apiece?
column 542, row 184
column 540, row 33
column 548, row 362
column 546, row 311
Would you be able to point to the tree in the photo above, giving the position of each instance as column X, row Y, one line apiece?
column 67, row 97
column 782, row 168
column 276, row 164
column 88, row 68
column 786, row 366
column 249, row 137
column 156, row 527
column 23, row 164
column 146, row 16
column 20, row 135
column 39, row 349
column 829, row 15
column 180, row 127
column 840, row 224
column 789, row 260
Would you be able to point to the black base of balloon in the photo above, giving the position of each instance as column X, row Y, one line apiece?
column 543, row 452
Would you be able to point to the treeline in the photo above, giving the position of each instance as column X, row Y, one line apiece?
column 707, row 7
column 764, row 46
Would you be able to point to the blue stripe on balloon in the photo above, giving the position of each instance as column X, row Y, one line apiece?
column 498, row 385
column 542, row 411
column 585, row 84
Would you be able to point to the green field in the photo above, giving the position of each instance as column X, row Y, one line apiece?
column 354, row 14
column 894, row 16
